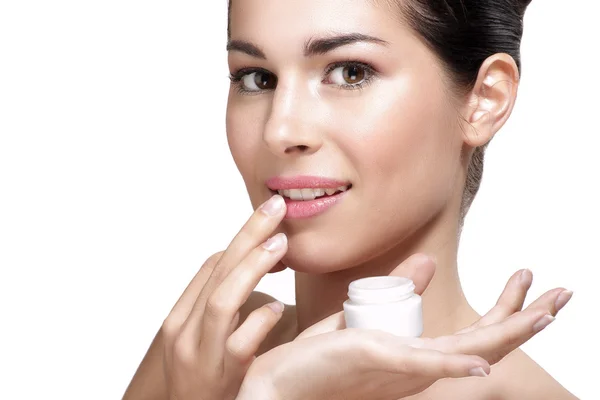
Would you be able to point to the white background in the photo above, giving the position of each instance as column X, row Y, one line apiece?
column 116, row 183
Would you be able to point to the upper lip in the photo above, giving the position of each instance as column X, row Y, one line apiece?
column 304, row 182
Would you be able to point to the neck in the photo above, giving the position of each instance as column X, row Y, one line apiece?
column 445, row 308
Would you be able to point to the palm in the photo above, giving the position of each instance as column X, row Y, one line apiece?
column 327, row 360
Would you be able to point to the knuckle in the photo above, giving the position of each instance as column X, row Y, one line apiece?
column 213, row 259
column 448, row 366
column 170, row 328
column 512, row 339
column 184, row 351
column 246, row 235
column 502, row 309
column 236, row 346
column 217, row 307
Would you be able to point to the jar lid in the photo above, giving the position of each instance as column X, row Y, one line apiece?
column 380, row 289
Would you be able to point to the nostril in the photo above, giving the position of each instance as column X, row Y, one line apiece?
column 301, row 147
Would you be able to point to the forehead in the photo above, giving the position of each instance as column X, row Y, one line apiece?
column 297, row 20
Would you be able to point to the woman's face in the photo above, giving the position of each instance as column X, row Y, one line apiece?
column 369, row 109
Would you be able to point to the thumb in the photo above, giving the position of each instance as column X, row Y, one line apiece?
column 418, row 267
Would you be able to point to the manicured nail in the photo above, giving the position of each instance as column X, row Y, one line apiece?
column 526, row 278
column 273, row 206
column 543, row 322
column 276, row 306
column 478, row 371
column 275, row 242
column 562, row 299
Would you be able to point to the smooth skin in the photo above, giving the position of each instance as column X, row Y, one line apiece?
column 390, row 122
column 208, row 352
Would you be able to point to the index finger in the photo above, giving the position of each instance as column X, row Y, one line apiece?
column 255, row 231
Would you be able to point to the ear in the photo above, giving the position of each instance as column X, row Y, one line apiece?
column 492, row 99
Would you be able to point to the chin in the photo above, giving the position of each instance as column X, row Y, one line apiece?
column 310, row 264
column 334, row 247
column 309, row 253
column 320, row 253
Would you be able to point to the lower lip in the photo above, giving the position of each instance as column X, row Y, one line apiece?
column 297, row 209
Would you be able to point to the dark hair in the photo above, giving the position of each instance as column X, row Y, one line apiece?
column 462, row 34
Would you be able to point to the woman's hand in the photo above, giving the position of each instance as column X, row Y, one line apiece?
column 205, row 356
column 330, row 362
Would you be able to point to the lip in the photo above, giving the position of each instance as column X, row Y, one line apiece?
column 300, row 209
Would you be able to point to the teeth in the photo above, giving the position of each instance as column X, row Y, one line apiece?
column 307, row 194
column 310, row 194
column 296, row 194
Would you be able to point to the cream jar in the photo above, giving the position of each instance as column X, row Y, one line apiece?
column 386, row 303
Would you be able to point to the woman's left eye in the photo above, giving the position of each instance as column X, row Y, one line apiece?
column 350, row 75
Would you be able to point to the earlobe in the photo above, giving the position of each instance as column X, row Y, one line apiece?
column 492, row 99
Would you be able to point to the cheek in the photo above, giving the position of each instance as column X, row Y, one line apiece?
column 407, row 159
column 243, row 126
column 404, row 140
column 244, row 137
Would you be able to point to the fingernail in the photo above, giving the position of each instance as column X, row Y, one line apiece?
column 526, row 278
column 275, row 242
column 276, row 306
column 478, row 371
column 562, row 299
column 273, row 206
column 543, row 322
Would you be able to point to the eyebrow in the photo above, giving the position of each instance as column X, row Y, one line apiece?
column 312, row 47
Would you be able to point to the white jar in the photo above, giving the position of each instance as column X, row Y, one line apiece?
column 387, row 303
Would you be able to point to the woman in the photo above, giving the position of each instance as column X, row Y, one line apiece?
column 370, row 118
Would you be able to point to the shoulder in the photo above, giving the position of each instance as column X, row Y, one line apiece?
column 520, row 377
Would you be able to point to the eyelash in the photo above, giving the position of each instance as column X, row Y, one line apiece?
column 237, row 76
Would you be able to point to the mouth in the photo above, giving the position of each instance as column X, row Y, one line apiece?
column 308, row 194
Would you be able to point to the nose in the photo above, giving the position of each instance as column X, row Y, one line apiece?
column 291, row 128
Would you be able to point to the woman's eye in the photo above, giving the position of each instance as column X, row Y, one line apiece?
column 258, row 80
column 349, row 75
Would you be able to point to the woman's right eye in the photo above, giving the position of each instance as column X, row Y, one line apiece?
column 254, row 81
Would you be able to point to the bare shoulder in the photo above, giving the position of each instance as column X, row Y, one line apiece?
column 517, row 376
